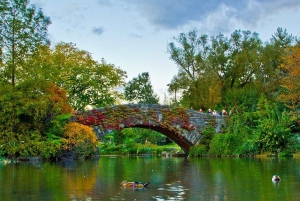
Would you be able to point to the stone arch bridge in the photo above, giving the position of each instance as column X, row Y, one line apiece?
column 183, row 126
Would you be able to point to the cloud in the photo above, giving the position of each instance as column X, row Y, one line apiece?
column 136, row 36
column 104, row 2
column 98, row 31
column 172, row 14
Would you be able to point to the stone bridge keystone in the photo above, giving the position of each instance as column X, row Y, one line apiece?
column 182, row 126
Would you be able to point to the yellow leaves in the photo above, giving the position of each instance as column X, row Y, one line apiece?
column 59, row 99
column 291, row 82
column 78, row 136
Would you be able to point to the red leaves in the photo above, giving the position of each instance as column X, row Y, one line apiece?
column 95, row 119
column 120, row 117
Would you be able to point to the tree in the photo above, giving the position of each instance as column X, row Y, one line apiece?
column 139, row 89
column 177, row 84
column 290, row 83
column 273, row 131
column 215, row 66
column 87, row 82
column 22, row 30
column 271, row 56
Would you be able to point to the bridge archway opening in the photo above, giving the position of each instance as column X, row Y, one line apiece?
column 183, row 126
column 175, row 137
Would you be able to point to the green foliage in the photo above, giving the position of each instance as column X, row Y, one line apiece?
column 247, row 148
column 132, row 148
column 207, row 135
column 240, row 123
column 217, row 146
column 273, row 131
column 23, row 30
column 139, row 90
column 87, row 81
column 55, row 130
column 245, row 98
column 198, row 150
column 224, row 144
column 213, row 67
column 119, row 137
column 28, row 145
column 143, row 135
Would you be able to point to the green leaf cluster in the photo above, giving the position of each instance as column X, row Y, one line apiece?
column 139, row 90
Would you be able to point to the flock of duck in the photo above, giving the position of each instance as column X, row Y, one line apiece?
column 141, row 185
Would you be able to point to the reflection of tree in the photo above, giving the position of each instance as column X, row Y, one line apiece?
column 171, row 179
column 79, row 179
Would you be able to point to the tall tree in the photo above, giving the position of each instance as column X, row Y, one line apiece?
column 87, row 82
column 23, row 29
column 271, row 56
column 139, row 89
column 216, row 65
column 290, row 83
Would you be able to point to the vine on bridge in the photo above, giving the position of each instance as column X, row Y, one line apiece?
column 118, row 117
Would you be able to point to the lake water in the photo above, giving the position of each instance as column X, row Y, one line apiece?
column 213, row 179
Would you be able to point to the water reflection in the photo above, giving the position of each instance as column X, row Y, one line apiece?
column 170, row 179
column 173, row 191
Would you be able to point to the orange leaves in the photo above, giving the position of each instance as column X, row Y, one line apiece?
column 291, row 82
column 79, row 136
column 59, row 99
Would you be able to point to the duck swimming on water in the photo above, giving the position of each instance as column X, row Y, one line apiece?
column 276, row 177
column 134, row 184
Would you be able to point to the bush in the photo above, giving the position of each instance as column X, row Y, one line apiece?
column 79, row 138
column 273, row 131
column 55, row 130
column 217, row 145
column 248, row 148
column 207, row 135
column 226, row 144
column 198, row 150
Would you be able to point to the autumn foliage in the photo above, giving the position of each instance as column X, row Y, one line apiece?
column 58, row 98
column 291, row 82
column 79, row 138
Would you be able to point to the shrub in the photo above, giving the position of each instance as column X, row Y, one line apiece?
column 217, row 145
column 226, row 144
column 79, row 138
column 248, row 148
column 55, row 130
column 207, row 135
column 273, row 131
column 198, row 150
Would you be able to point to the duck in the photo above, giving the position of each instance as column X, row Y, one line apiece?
column 134, row 184
column 276, row 178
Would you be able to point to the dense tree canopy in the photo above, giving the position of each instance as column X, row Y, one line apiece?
column 87, row 82
column 139, row 90
column 290, row 83
column 23, row 30
column 217, row 70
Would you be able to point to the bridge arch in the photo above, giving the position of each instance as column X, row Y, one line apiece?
column 183, row 126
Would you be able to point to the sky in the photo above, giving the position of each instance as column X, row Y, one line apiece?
column 134, row 34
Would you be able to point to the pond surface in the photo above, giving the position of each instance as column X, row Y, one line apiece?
column 170, row 179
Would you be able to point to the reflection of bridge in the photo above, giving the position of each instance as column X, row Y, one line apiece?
column 183, row 126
